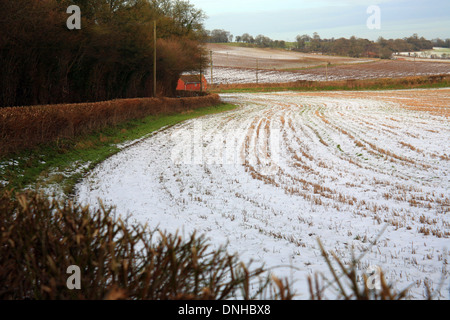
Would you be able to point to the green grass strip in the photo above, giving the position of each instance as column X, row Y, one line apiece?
column 375, row 87
column 64, row 163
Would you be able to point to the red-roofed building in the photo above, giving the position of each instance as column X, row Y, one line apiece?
column 192, row 83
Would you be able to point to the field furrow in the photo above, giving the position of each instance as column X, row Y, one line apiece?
column 287, row 168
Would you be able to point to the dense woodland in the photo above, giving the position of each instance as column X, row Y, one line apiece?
column 43, row 62
column 353, row 47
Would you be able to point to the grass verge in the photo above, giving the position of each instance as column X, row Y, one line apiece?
column 347, row 85
column 60, row 165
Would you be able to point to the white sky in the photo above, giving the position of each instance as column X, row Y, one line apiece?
column 285, row 19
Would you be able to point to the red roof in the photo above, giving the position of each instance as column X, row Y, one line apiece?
column 194, row 78
column 193, row 82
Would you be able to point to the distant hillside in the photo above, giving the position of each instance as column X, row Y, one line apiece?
column 232, row 56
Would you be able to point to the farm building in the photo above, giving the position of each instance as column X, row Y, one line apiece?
column 192, row 83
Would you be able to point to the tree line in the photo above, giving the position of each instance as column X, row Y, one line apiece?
column 223, row 36
column 357, row 47
column 111, row 56
column 352, row 47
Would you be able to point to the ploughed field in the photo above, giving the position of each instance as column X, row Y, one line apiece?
column 284, row 169
column 250, row 65
column 273, row 59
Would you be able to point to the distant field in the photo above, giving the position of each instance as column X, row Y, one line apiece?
column 250, row 65
column 427, row 53
column 375, row 70
column 442, row 50
column 272, row 59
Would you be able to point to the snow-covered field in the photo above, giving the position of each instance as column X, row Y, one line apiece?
column 383, row 69
column 287, row 168
column 223, row 75
column 436, row 53
column 272, row 59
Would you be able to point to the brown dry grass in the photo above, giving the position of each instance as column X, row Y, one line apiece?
column 40, row 239
column 402, row 83
column 26, row 127
column 346, row 281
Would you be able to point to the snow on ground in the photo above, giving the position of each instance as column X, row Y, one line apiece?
column 285, row 169
column 360, row 71
column 269, row 58
column 223, row 75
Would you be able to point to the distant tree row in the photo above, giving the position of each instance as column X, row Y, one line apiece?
column 353, row 47
column 42, row 62
column 223, row 36
column 356, row 47
column 218, row 36
column 261, row 41
column 441, row 43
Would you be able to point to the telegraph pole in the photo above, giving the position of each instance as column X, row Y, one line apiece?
column 201, row 78
column 415, row 70
column 211, row 57
column 257, row 67
column 154, row 58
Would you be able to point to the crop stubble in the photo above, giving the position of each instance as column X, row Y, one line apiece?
column 286, row 168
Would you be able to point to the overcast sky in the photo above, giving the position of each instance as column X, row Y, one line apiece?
column 285, row 19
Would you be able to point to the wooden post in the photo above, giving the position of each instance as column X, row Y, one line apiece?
column 154, row 59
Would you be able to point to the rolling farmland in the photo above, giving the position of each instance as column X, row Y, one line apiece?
column 189, row 150
column 287, row 168
column 238, row 65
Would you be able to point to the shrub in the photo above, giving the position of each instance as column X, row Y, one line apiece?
column 345, row 281
column 40, row 239
column 25, row 127
column 362, row 84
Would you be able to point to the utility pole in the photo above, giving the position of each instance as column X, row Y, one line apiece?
column 211, row 57
column 257, row 69
column 154, row 58
column 327, row 70
column 415, row 70
column 201, row 78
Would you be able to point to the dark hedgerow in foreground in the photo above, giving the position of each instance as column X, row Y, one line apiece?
column 40, row 239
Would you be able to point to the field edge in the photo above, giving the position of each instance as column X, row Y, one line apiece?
column 56, row 167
